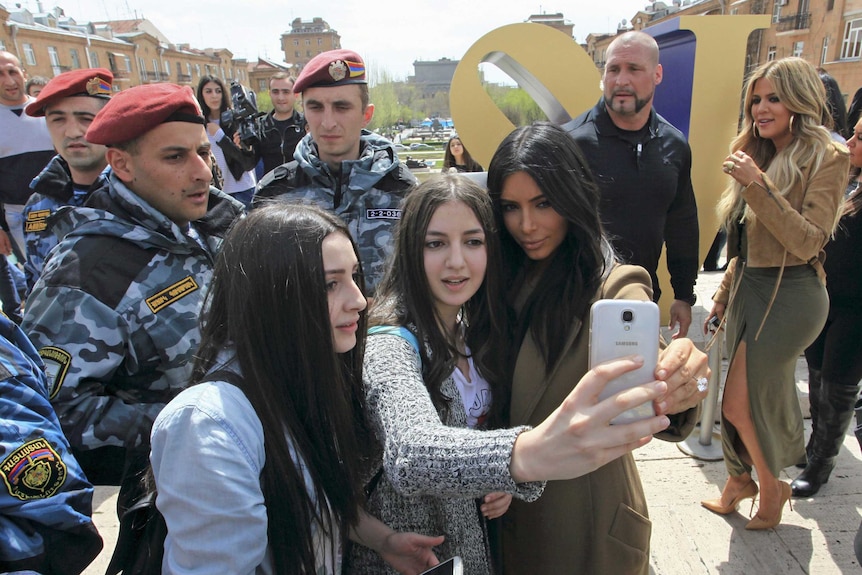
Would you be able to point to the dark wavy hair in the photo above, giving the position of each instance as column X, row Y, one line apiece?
column 573, row 275
column 225, row 100
column 404, row 296
column 268, row 301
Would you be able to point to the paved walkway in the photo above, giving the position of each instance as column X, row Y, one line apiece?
column 816, row 537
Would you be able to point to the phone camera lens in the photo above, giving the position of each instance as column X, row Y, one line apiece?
column 628, row 315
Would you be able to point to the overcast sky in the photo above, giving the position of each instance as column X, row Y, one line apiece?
column 387, row 34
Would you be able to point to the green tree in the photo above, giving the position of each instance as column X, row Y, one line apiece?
column 515, row 104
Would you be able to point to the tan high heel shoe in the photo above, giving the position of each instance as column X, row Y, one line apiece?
column 714, row 505
column 759, row 522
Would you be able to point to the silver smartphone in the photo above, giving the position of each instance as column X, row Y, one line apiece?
column 451, row 566
column 618, row 328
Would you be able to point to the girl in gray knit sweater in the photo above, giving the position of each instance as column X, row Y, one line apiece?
column 432, row 391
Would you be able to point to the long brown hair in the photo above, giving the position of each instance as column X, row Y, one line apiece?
column 404, row 297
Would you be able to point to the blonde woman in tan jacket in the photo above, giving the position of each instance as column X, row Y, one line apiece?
column 780, row 207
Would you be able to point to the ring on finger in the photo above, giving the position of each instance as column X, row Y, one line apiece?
column 702, row 384
column 728, row 167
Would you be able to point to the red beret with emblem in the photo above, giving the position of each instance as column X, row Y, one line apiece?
column 136, row 111
column 332, row 68
column 95, row 82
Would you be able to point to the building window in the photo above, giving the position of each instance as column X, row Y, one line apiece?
column 770, row 54
column 198, row 70
column 168, row 67
column 851, row 47
column 296, row 54
column 29, row 55
column 93, row 58
column 2, row 45
column 320, row 41
column 824, row 51
column 55, row 60
column 296, row 42
column 797, row 49
column 188, row 69
column 261, row 86
column 142, row 68
column 776, row 12
column 308, row 53
column 76, row 60
column 308, row 42
column 128, row 62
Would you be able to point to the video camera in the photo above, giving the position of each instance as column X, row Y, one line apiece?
column 244, row 118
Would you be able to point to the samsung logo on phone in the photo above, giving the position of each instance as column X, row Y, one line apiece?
column 627, row 343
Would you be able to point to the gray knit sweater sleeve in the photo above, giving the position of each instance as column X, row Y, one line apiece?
column 421, row 454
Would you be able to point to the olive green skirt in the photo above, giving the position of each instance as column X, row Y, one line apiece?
column 796, row 318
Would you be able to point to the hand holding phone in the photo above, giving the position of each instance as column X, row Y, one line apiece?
column 619, row 328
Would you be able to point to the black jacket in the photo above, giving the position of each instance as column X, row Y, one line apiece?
column 647, row 199
column 277, row 146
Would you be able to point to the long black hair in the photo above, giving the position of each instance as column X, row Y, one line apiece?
column 404, row 296
column 268, row 301
column 225, row 101
column 573, row 275
column 449, row 158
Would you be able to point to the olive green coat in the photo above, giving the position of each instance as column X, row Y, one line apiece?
column 596, row 524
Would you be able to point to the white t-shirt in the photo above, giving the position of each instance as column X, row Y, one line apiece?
column 476, row 394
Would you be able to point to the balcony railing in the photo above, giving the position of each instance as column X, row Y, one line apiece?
column 796, row 22
column 184, row 77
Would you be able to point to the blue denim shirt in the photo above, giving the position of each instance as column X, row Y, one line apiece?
column 207, row 456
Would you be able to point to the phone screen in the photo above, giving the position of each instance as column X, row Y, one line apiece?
column 449, row 567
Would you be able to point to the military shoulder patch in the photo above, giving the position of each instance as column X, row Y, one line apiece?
column 57, row 362
column 37, row 221
column 33, row 471
column 172, row 294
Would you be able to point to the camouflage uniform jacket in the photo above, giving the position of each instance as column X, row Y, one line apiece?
column 52, row 189
column 366, row 194
column 115, row 313
column 45, row 499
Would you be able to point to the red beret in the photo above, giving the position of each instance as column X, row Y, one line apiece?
column 332, row 68
column 136, row 111
column 96, row 82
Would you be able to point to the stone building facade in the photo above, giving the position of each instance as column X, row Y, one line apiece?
column 827, row 33
column 134, row 51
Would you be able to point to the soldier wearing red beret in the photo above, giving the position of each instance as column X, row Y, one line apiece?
column 69, row 102
column 115, row 313
column 339, row 165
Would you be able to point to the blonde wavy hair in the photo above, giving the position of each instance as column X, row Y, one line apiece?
column 799, row 88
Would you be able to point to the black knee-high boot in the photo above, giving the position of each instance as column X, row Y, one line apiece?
column 813, row 406
column 834, row 414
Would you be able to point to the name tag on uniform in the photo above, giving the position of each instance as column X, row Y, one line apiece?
column 172, row 294
column 383, row 214
column 37, row 221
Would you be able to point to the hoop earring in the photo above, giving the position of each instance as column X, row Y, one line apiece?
column 791, row 123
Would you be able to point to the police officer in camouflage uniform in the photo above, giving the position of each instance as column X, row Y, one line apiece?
column 341, row 167
column 45, row 500
column 69, row 102
column 114, row 315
